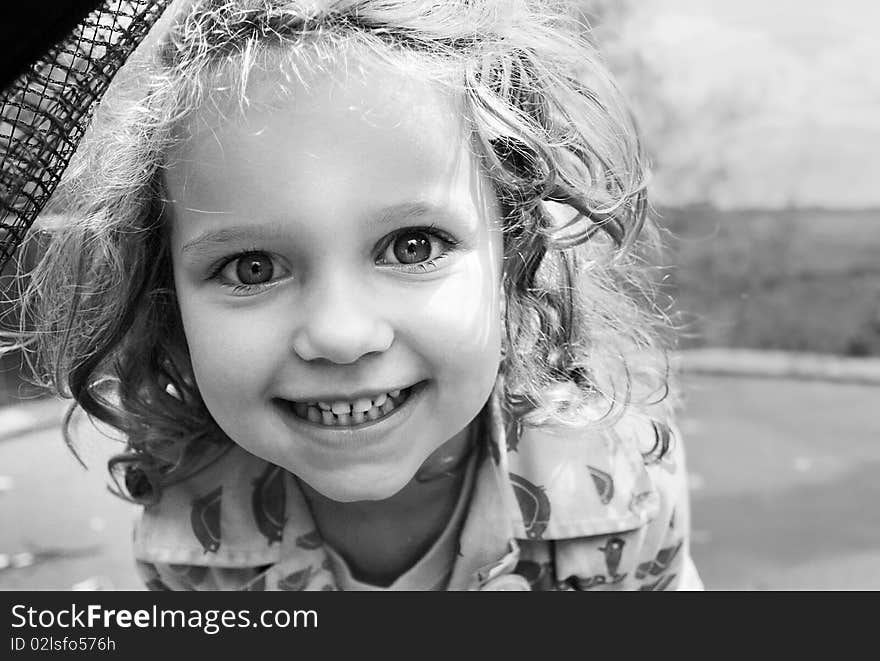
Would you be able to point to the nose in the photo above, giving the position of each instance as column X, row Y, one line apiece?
column 340, row 323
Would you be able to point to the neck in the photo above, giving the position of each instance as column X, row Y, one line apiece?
column 381, row 539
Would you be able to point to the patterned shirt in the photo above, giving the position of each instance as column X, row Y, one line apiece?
column 549, row 509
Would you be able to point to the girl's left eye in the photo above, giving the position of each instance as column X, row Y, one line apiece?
column 249, row 271
column 417, row 249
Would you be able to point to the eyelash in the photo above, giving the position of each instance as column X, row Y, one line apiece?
column 451, row 245
column 242, row 289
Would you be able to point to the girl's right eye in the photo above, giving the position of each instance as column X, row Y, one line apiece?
column 249, row 272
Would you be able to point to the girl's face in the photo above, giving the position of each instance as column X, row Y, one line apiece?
column 338, row 248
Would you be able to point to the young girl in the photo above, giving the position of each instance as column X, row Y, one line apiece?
column 365, row 285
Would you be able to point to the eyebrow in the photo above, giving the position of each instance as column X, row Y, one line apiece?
column 245, row 233
column 220, row 237
column 414, row 210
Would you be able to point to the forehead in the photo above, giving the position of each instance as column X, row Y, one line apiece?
column 328, row 127
column 339, row 83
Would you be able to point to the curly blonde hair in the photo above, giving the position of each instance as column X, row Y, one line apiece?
column 584, row 335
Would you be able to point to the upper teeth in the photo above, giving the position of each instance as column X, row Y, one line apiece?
column 361, row 405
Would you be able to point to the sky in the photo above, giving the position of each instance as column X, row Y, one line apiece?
column 776, row 102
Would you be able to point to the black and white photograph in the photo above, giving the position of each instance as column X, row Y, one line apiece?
column 423, row 295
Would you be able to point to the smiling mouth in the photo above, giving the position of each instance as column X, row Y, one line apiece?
column 351, row 413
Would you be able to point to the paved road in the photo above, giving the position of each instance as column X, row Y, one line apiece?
column 784, row 483
column 784, row 493
column 51, row 505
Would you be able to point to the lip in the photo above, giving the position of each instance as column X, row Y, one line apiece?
column 366, row 434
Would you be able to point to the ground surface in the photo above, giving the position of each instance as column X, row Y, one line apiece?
column 784, row 493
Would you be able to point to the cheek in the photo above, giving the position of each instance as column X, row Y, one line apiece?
column 459, row 325
column 231, row 350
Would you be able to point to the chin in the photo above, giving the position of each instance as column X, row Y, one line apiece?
column 348, row 490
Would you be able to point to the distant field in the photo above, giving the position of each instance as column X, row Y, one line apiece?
column 800, row 280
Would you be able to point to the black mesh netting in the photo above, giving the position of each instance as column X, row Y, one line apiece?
column 46, row 110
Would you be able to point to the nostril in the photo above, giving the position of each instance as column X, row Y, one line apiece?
column 342, row 345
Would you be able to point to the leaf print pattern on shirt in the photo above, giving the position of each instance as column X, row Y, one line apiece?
column 659, row 564
column 613, row 551
column 205, row 520
column 604, row 484
column 660, row 584
column 534, row 505
column 591, row 582
column 268, row 503
column 296, row 581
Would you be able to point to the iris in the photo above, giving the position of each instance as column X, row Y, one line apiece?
column 254, row 269
column 412, row 247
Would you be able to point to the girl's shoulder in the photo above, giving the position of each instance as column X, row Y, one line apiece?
column 229, row 514
column 605, row 507
column 596, row 479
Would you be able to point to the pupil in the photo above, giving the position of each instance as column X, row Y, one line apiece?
column 412, row 248
column 254, row 269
